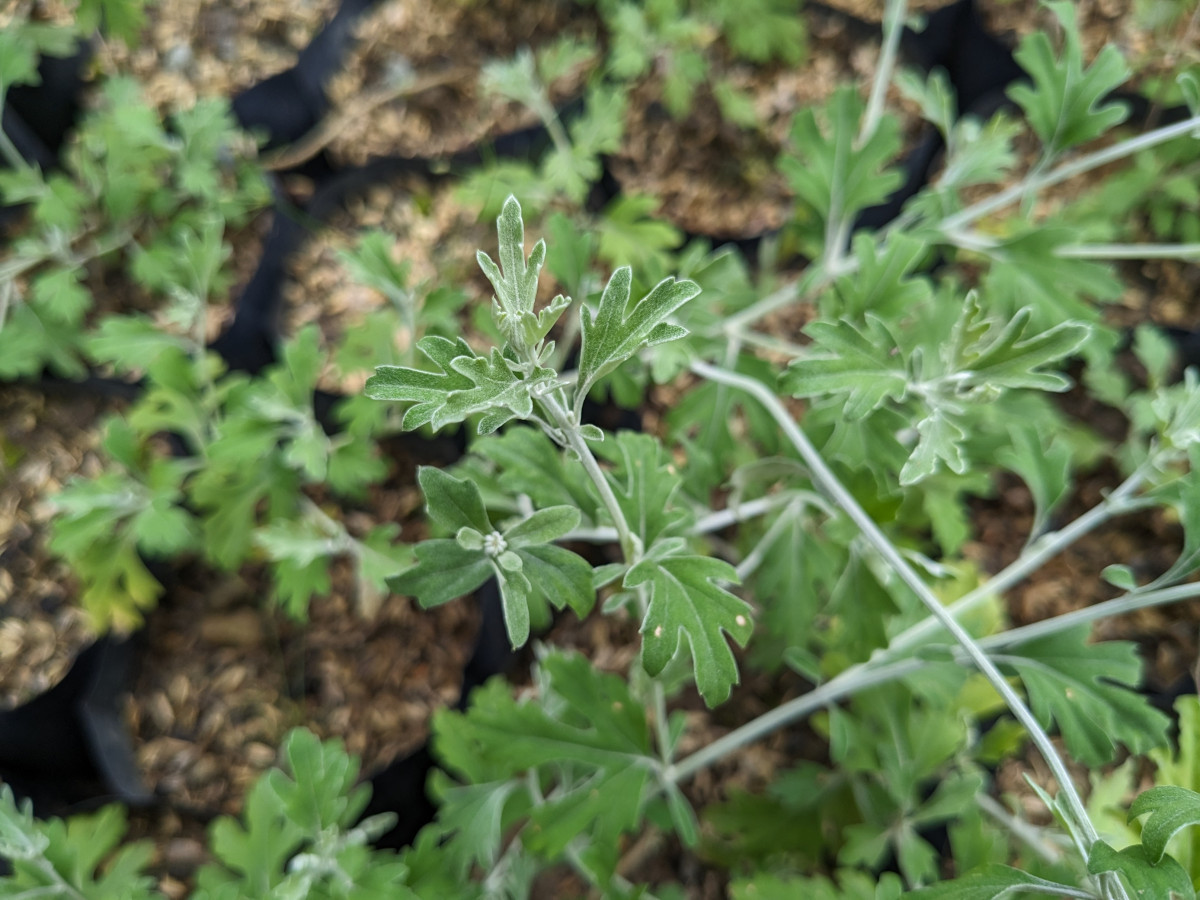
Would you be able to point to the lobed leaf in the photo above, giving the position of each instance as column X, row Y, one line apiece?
column 613, row 335
column 859, row 362
column 831, row 172
column 1088, row 690
column 1010, row 356
column 1066, row 104
column 645, row 483
column 684, row 600
column 1165, row 880
column 1171, row 809
column 427, row 391
column 587, row 733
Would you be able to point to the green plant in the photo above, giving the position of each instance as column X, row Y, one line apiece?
column 815, row 512
column 297, row 838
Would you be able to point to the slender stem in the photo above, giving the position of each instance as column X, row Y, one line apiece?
column 771, row 343
column 716, row 521
column 877, row 671
column 982, row 243
column 1070, row 169
column 840, row 221
column 824, row 477
column 849, row 682
column 1032, row 836
column 752, row 509
column 892, row 19
column 1129, row 251
column 11, row 154
column 1127, row 603
column 631, row 545
column 569, row 429
column 7, row 148
column 755, row 557
column 7, row 289
column 1035, row 556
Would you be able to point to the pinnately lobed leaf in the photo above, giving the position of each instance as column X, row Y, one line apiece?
column 1086, row 689
column 1066, row 107
column 685, row 600
column 427, row 391
column 611, row 336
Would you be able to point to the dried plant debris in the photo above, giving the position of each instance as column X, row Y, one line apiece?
column 714, row 178
column 222, row 684
column 44, row 441
column 444, row 45
column 203, row 48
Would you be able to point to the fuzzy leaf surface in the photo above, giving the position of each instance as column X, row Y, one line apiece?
column 645, row 483
column 1171, row 809
column 453, row 503
column 427, row 391
column 684, row 600
column 858, row 362
column 615, row 333
column 590, row 734
column 444, row 572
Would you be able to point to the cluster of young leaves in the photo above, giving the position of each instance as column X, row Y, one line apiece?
column 939, row 378
column 522, row 557
column 79, row 857
column 681, row 591
column 627, row 231
column 248, row 449
column 131, row 192
column 672, row 41
column 300, row 834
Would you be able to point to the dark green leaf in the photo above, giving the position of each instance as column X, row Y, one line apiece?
column 1167, row 880
column 561, row 576
column 645, row 483
column 995, row 883
column 1087, row 689
column 1171, row 809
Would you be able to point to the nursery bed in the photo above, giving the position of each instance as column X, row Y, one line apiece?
column 223, row 675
